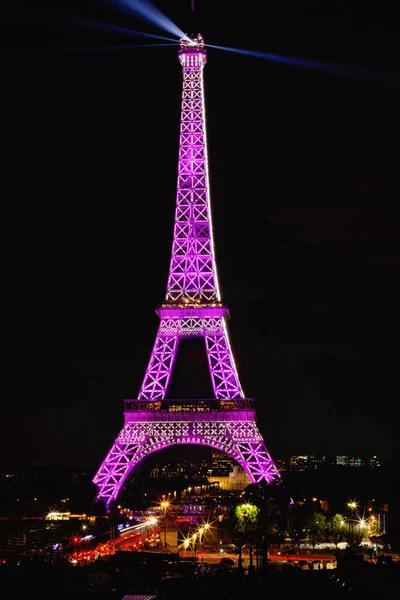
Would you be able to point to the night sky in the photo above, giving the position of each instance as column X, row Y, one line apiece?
column 304, row 174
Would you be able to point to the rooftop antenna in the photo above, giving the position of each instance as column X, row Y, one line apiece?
column 193, row 17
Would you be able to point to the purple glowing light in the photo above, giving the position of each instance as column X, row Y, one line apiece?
column 192, row 308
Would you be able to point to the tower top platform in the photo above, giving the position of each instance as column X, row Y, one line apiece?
column 192, row 52
column 192, row 41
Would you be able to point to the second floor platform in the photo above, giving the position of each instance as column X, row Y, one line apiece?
column 236, row 409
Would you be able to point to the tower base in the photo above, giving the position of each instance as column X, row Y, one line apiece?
column 228, row 426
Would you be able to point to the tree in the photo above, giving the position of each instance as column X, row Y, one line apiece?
column 316, row 528
column 246, row 516
column 297, row 520
column 337, row 528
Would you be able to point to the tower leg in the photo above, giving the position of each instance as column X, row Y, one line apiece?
column 224, row 376
column 159, row 369
column 115, row 468
column 253, row 454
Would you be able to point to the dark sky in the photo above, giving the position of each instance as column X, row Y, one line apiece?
column 304, row 173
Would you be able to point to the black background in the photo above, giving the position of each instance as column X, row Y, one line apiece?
column 304, row 174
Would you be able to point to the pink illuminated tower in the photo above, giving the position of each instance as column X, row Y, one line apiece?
column 192, row 307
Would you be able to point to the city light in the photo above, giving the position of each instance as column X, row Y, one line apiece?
column 193, row 537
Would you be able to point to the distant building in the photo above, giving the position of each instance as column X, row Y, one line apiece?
column 221, row 463
column 299, row 463
column 316, row 462
column 173, row 470
column 373, row 462
column 350, row 461
column 281, row 465
column 236, row 480
column 307, row 462
column 312, row 462
column 356, row 461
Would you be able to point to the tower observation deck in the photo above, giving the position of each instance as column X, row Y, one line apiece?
column 192, row 308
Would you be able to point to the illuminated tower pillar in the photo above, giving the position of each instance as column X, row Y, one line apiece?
column 192, row 308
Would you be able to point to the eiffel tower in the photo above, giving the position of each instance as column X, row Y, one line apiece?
column 192, row 307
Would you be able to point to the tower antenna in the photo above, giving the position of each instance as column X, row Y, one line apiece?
column 193, row 19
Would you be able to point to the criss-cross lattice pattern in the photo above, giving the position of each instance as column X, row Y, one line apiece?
column 192, row 273
column 192, row 308
column 240, row 440
column 224, row 377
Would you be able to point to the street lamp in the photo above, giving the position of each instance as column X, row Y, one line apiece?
column 352, row 505
column 201, row 531
column 194, row 536
column 164, row 506
column 185, row 544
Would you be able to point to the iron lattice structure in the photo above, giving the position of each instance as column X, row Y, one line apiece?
column 192, row 307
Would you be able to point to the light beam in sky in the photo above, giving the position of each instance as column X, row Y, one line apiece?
column 106, row 27
column 356, row 73
column 41, row 51
column 147, row 11
column 48, row 18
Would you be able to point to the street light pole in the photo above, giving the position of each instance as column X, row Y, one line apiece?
column 165, row 505
column 352, row 505
column 201, row 531
column 165, row 528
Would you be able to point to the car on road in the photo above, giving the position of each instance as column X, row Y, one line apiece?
column 227, row 562
column 288, row 552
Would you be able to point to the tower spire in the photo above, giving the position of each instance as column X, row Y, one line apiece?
column 193, row 275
